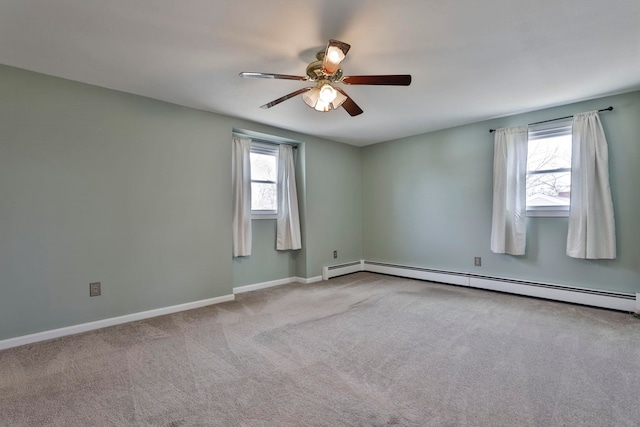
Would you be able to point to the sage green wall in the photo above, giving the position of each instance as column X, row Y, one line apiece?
column 99, row 185
column 427, row 202
column 334, row 204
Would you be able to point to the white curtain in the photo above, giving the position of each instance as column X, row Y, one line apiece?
column 592, row 232
column 508, row 226
column 288, row 223
column 241, row 181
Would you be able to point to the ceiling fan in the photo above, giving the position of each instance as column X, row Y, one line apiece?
column 325, row 72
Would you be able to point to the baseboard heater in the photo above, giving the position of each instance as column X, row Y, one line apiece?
column 606, row 299
column 341, row 269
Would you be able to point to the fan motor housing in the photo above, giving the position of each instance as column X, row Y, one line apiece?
column 315, row 72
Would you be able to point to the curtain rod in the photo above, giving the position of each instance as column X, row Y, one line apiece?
column 559, row 118
column 265, row 141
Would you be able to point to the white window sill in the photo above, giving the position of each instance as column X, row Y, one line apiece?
column 552, row 212
column 264, row 216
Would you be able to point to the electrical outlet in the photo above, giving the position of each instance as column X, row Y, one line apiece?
column 95, row 289
column 477, row 261
column 335, row 254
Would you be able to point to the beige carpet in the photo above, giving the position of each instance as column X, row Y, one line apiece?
column 360, row 350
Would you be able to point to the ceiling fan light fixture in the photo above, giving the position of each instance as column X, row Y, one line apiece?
column 335, row 54
column 327, row 93
column 324, row 72
column 323, row 97
column 334, row 58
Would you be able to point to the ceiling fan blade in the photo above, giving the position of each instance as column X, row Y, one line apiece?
column 284, row 98
column 350, row 106
column 252, row 75
column 334, row 55
column 389, row 80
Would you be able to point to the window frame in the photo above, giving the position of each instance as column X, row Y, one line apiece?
column 271, row 150
column 543, row 131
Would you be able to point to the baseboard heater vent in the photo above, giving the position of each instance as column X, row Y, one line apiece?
column 341, row 269
column 593, row 297
column 440, row 276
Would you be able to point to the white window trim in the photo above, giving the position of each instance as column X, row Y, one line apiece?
column 271, row 149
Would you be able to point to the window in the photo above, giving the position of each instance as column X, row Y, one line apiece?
column 264, row 180
column 549, row 169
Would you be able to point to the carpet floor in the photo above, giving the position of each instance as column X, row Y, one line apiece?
column 357, row 350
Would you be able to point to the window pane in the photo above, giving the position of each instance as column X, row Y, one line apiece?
column 263, row 167
column 549, row 153
column 263, row 197
column 548, row 189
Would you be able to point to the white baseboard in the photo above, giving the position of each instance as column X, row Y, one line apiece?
column 98, row 324
column 263, row 285
column 593, row 297
column 309, row 280
column 272, row 283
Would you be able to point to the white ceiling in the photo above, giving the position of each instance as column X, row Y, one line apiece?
column 470, row 60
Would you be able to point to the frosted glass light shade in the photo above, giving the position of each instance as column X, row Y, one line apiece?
column 327, row 93
column 310, row 97
column 334, row 55
column 323, row 98
column 322, row 106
